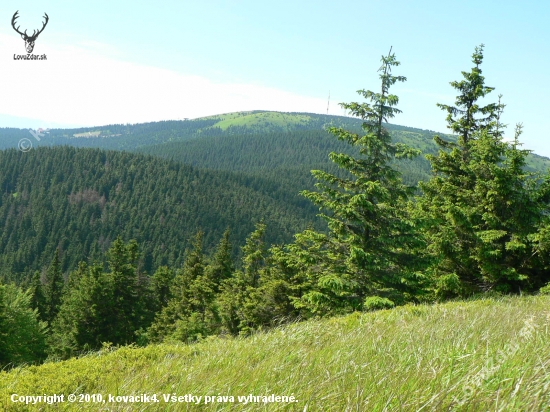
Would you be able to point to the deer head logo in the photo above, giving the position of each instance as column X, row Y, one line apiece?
column 29, row 40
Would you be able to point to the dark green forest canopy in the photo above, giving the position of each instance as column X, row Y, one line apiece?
column 282, row 149
column 79, row 200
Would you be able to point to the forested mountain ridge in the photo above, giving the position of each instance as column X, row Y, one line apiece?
column 268, row 155
column 231, row 141
column 133, row 136
column 260, row 142
column 79, row 200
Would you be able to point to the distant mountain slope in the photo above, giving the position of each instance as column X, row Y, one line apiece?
column 114, row 137
column 167, row 138
column 273, row 154
column 133, row 136
column 146, row 137
column 81, row 199
column 282, row 144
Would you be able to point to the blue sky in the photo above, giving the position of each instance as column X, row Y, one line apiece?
column 130, row 62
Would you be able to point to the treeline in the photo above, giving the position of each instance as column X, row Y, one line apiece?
column 480, row 224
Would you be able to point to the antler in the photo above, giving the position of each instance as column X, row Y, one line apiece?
column 15, row 16
column 43, row 26
column 34, row 33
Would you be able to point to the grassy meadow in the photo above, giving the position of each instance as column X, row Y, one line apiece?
column 482, row 355
column 261, row 119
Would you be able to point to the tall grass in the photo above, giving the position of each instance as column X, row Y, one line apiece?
column 482, row 355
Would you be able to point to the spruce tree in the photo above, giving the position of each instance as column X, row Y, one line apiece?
column 254, row 255
column 190, row 313
column 481, row 207
column 124, row 279
column 38, row 296
column 238, row 300
column 53, row 288
column 84, row 321
column 221, row 266
column 468, row 117
column 161, row 283
column 370, row 250
column 22, row 334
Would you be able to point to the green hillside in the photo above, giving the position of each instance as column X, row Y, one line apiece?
column 115, row 137
column 285, row 147
column 119, row 288
column 267, row 121
column 133, row 136
column 235, row 141
column 79, row 200
column 462, row 356
column 282, row 156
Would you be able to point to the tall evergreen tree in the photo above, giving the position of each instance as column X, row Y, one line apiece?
column 371, row 248
column 221, row 266
column 468, row 117
column 190, row 313
column 84, row 321
column 161, row 283
column 237, row 302
column 124, row 277
column 254, row 255
column 22, row 334
column 53, row 288
column 480, row 206
column 38, row 296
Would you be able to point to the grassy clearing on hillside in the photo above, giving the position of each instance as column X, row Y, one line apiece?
column 265, row 119
column 88, row 134
column 490, row 354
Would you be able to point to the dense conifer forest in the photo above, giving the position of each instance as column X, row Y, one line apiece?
column 205, row 232
column 78, row 201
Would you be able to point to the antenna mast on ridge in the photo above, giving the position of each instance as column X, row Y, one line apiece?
column 328, row 103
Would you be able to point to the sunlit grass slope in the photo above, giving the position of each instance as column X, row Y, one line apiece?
column 483, row 355
column 263, row 119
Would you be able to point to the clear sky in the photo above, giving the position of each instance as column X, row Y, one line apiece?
column 138, row 61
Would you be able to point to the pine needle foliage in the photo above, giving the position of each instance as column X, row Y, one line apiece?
column 370, row 250
column 54, row 288
column 482, row 208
